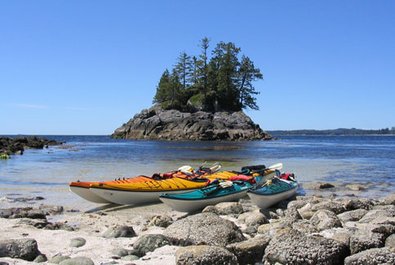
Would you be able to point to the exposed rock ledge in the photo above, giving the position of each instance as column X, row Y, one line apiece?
column 158, row 124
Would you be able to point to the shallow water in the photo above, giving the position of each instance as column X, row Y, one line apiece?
column 369, row 160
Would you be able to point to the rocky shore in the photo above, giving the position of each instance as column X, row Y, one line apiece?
column 158, row 124
column 10, row 146
column 305, row 230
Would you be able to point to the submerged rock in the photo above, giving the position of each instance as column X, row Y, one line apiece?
column 203, row 254
column 203, row 228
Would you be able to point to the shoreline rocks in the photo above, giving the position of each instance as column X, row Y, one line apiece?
column 158, row 124
column 306, row 230
column 11, row 146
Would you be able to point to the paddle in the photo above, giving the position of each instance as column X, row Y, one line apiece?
column 277, row 166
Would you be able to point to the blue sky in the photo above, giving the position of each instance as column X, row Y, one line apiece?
column 86, row 67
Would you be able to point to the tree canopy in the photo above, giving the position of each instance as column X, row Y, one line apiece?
column 222, row 82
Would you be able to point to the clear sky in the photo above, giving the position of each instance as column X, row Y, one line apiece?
column 86, row 67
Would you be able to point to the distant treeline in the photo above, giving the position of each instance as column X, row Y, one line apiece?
column 340, row 131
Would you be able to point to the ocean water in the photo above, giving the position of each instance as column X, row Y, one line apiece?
column 367, row 160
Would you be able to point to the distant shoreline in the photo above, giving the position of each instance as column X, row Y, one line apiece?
column 333, row 132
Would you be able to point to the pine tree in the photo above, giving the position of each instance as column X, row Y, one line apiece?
column 225, row 57
column 184, row 69
column 247, row 73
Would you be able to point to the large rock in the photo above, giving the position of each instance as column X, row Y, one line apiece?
column 203, row 228
column 390, row 241
column 374, row 256
column 150, row 242
column 156, row 123
column 324, row 219
column 354, row 215
column 363, row 239
column 225, row 208
column 254, row 219
column 293, row 247
column 204, row 255
column 250, row 251
column 26, row 249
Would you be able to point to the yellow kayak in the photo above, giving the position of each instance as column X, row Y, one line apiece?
column 144, row 192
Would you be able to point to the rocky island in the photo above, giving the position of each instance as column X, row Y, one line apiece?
column 156, row 123
column 202, row 98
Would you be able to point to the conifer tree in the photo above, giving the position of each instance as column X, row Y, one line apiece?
column 247, row 73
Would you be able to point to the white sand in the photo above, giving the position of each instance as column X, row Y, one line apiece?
column 91, row 226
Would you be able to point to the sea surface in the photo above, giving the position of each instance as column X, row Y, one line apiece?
column 366, row 160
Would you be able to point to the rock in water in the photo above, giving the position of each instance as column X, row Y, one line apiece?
column 156, row 123
column 204, row 255
column 19, row 248
column 203, row 229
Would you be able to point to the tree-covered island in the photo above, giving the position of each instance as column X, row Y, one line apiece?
column 201, row 98
column 220, row 82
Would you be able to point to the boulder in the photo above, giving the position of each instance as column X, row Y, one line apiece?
column 354, row 215
column 77, row 261
column 119, row 231
column 390, row 241
column 149, row 242
column 341, row 235
column 374, row 256
column 25, row 249
column 361, row 240
column 389, row 200
column 204, row 255
column 305, row 227
column 253, row 219
column 161, row 221
column 203, row 228
column 324, row 219
column 250, row 251
column 225, row 208
column 40, row 258
column 293, row 247
column 330, row 205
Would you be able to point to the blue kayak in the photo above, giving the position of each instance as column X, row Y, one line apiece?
column 210, row 195
column 273, row 192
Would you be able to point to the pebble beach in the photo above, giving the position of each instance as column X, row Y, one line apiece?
column 304, row 230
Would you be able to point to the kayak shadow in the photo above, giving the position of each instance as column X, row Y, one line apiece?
column 103, row 207
column 118, row 207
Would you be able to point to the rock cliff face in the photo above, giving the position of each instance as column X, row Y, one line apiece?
column 158, row 124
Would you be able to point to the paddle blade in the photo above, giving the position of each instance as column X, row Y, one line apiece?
column 277, row 166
